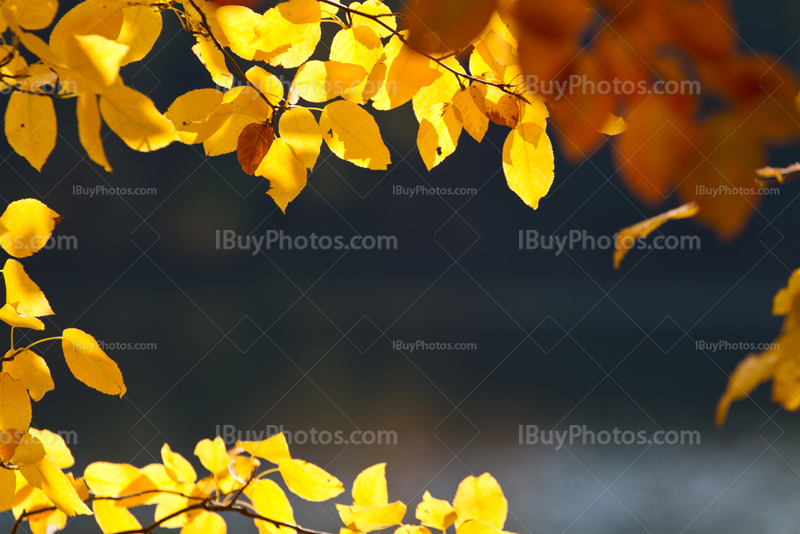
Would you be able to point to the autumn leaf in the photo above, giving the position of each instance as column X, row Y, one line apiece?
column 22, row 293
column 528, row 162
column 628, row 237
column 30, row 127
column 308, row 481
column 439, row 26
column 32, row 370
column 480, row 498
column 26, row 227
column 89, row 364
column 353, row 135
column 254, row 143
column 435, row 513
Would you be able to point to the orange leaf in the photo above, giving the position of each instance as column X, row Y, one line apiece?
column 438, row 26
column 254, row 143
column 628, row 237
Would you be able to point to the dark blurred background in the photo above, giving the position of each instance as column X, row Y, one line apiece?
column 304, row 339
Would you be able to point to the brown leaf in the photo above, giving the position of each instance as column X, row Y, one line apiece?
column 254, row 143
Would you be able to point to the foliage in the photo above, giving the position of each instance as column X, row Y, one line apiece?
column 462, row 64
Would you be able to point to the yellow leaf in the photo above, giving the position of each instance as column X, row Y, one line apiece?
column 470, row 113
column 212, row 455
column 318, row 81
column 15, row 405
column 112, row 518
column 630, row 236
column 369, row 518
column 93, row 17
column 55, row 447
column 238, row 26
column 438, row 136
column 32, row 370
column 353, row 135
column 28, row 224
column 358, row 45
column 412, row 529
column 480, row 498
column 285, row 172
column 614, row 125
column 369, row 488
column 431, row 100
column 214, row 60
column 528, row 162
column 8, row 486
column 242, row 469
column 240, row 107
column 94, row 61
column 168, row 505
column 177, row 466
column 270, row 501
column 112, row 480
column 89, row 363
column 295, row 23
column 407, row 72
column 158, row 475
column 10, row 316
column 195, row 115
column 141, row 26
column 33, row 14
column 29, row 450
column 374, row 7
column 22, row 293
column 30, row 126
column 89, row 129
column 273, row 449
column 59, row 489
column 474, row 526
column 135, row 119
column 308, row 481
column 37, row 46
column 266, row 83
column 435, row 513
column 299, row 129
column 205, row 523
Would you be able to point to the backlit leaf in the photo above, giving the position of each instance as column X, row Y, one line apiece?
column 273, row 449
column 178, row 467
column 528, row 162
column 299, row 129
column 369, row 518
column 32, row 370
column 112, row 518
column 353, row 135
column 28, row 225
column 435, row 513
column 308, row 481
column 22, row 293
column 369, row 488
column 59, row 489
column 89, row 125
column 480, row 498
column 89, row 363
column 254, row 142
column 30, row 127
column 15, row 405
column 628, row 237
column 285, row 172
column 135, row 119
